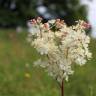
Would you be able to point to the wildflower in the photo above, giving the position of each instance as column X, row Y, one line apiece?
column 61, row 46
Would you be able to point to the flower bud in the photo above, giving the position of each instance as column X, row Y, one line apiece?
column 39, row 19
column 86, row 25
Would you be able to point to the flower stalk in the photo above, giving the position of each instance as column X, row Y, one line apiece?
column 62, row 88
column 60, row 46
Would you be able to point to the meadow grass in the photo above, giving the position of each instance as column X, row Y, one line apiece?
column 18, row 76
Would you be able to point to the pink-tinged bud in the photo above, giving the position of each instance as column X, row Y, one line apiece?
column 58, row 25
column 46, row 25
column 62, row 21
column 57, row 20
column 86, row 25
column 39, row 19
column 34, row 21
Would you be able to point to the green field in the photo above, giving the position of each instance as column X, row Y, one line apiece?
column 18, row 76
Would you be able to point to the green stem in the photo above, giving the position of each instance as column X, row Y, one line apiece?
column 62, row 88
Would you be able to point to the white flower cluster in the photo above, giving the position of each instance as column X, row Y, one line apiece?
column 61, row 46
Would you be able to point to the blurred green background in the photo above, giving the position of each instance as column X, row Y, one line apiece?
column 17, row 12
column 18, row 76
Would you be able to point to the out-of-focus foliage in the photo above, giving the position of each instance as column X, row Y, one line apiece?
column 16, row 12
column 69, row 10
column 13, row 12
